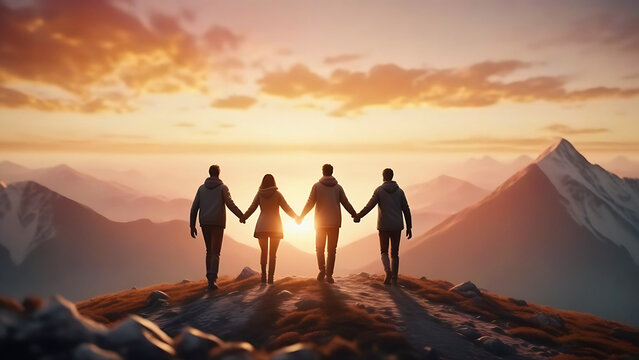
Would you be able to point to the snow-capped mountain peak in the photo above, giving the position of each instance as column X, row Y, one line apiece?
column 26, row 218
column 601, row 201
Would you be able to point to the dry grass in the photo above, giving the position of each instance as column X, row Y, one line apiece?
column 583, row 335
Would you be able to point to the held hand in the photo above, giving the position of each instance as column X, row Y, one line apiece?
column 243, row 220
column 193, row 232
column 409, row 234
column 356, row 219
column 298, row 220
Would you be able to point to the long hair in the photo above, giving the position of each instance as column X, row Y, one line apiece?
column 267, row 181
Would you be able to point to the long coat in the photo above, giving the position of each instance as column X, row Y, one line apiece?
column 269, row 222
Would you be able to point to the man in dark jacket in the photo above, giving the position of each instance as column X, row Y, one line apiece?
column 391, row 203
column 327, row 196
column 210, row 200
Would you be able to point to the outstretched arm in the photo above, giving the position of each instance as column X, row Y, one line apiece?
column 371, row 204
column 195, row 207
column 252, row 208
column 407, row 216
column 287, row 209
column 230, row 204
column 347, row 205
column 312, row 198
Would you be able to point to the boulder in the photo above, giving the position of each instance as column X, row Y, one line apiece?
column 58, row 324
column 495, row 346
column 138, row 338
column 468, row 333
column 295, row 352
column 156, row 297
column 246, row 273
column 284, row 294
column 467, row 289
column 364, row 275
column 88, row 351
column 423, row 278
column 543, row 320
column 308, row 304
column 194, row 344
column 10, row 321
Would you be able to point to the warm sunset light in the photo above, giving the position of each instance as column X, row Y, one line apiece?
column 259, row 170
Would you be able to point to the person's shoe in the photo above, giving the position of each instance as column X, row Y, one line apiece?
column 263, row 278
column 320, row 276
column 270, row 279
column 388, row 278
column 213, row 286
column 329, row 279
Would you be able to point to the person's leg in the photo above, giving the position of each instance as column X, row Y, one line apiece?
column 275, row 243
column 263, row 253
column 206, row 234
column 217, row 233
column 331, row 249
column 384, row 238
column 395, row 236
column 320, row 244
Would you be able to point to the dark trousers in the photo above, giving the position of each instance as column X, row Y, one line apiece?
column 213, row 241
column 321, row 237
column 272, row 254
column 393, row 237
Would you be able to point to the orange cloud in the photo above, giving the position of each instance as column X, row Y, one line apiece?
column 10, row 98
column 234, row 102
column 83, row 46
column 477, row 85
column 569, row 130
column 338, row 59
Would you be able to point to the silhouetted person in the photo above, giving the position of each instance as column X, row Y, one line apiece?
column 210, row 200
column 391, row 203
column 326, row 195
column 269, row 223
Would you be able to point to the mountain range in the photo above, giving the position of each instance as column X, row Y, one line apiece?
column 52, row 244
column 561, row 232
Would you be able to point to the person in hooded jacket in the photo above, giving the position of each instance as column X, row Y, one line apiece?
column 210, row 200
column 391, row 203
column 327, row 196
column 269, row 223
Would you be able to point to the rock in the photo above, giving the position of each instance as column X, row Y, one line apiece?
column 31, row 304
column 495, row 346
column 518, row 302
column 308, row 304
column 295, row 352
column 468, row 333
column 467, row 289
column 431, row 353
column 10, row 321
column 233, row 351
column 88, row 351
column 284, row 294
column 423, row 278
column 552, row 320
column 134, row 287
column 498, row 330
column 138, row 338
column 185, row 281
column 246, row 273
column 364, row 274
column 58, row 323
column 195, row 344
column 156, row 298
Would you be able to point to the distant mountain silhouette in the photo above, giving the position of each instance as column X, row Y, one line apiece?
column 444, row 195
column 561, row 232
column 486, row 172
column 74, row 251
column 115, row 201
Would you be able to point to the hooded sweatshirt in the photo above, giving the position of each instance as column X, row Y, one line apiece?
column 327, row 195
column 391, row 203
column 210, row 199
column 269, row 222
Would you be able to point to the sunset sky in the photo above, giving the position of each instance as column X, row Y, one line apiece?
column 164, row 88
column 253, row 76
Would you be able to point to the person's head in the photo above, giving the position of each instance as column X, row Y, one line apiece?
column 267, row 181
column 214, row 170
column 387, row 174
column 327, row 170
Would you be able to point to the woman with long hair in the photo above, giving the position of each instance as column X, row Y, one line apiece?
column 269, row 223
